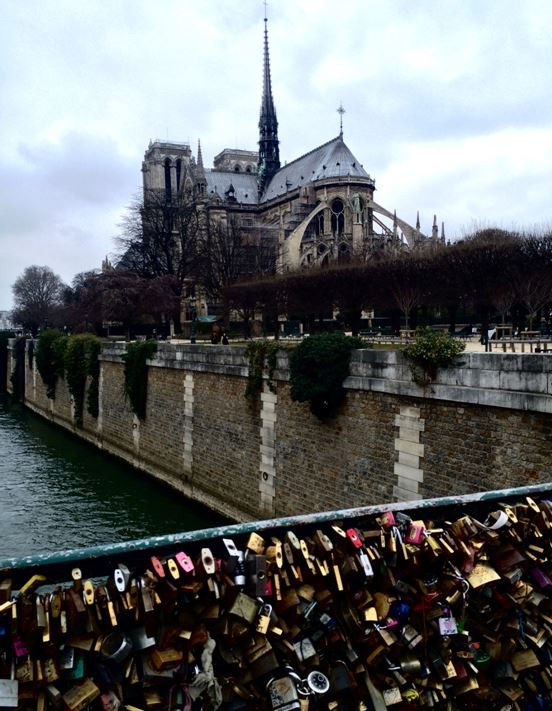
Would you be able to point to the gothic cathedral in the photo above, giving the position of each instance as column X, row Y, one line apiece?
column 316, row 209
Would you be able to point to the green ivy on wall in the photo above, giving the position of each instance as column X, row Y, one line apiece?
column 80, row 361
column 30, row 352
column 49, row 359
column 93, row 350
column 260, row 355
column 17, row 378
column 136, row 374
column 318, row 367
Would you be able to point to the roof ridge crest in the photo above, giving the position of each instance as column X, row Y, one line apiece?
column 308, row 153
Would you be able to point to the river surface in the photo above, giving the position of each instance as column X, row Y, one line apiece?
column 58, row 493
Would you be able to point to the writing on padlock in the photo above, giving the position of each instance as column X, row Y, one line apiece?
column 366, row 564
column 447, row 625
column 263, row 620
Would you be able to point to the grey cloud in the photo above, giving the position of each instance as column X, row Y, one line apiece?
column 84, row 168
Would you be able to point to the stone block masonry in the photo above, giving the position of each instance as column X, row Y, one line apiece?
column 410, row 452
column 484, row 424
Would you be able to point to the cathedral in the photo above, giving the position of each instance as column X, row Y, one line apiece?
column 316, row 209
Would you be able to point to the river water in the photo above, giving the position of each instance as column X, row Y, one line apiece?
column 58, row 493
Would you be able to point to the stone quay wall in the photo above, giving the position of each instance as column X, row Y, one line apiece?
column 483, row 424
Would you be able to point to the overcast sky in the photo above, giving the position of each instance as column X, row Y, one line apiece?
column 449, row 107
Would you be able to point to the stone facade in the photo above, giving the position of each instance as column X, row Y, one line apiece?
column 485, row 424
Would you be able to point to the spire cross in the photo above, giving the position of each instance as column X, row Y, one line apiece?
column 265, row 3
column 340, row 110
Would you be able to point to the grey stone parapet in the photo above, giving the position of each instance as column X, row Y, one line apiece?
column 506, row 380
column 514, row 381
column 224, row 360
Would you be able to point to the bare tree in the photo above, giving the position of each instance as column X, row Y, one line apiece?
column 229, row 254
column 182, row 240
column 406, row 283
column 534, row 285
column 160, row 238
column 38, row 294
column 503, row 299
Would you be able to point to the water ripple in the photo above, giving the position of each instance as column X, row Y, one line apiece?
column 58, row 493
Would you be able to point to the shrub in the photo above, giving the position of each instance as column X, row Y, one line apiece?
column 49, row 358
column 136, row 374
column 429, row 351
column 318, row 367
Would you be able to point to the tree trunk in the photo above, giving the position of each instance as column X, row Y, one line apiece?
column 452, row 309
column 485, row 326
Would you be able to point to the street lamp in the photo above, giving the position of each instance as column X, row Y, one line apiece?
column 193, row 313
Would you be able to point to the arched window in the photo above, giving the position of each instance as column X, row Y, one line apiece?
column 236, row 168
column 178, row 173
column 248, row 169
column 337, row 217
column 319, row 223
column 168, row 189
column 343, row 253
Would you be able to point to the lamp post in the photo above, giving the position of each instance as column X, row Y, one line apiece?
column 193, row 315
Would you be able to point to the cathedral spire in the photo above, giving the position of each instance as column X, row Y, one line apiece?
column 200, row 179
column 269, row 154
column 199, row 156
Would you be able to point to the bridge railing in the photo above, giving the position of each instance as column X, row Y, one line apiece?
column 98, row 560
column 439, row 601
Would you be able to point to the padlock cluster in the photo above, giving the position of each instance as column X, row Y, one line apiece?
column 374, row 613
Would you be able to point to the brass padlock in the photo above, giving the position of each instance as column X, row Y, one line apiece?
column 244, row 607
column 78, row 697
column 263, row 620
column 255, row 543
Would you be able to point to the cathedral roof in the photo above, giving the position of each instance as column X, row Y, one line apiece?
column 244, row 184
column 330, row 160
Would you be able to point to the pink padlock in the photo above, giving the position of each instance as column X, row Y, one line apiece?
column 353, row 536
column 387, row 519
column 157, row 566
column 185, row 562
column 416, row 532
column 19, row 648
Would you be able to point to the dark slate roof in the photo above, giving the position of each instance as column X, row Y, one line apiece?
column 245, row 185
column 330, row 160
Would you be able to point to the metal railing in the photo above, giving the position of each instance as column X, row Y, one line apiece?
column 101, row 560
